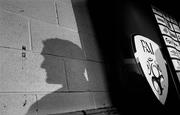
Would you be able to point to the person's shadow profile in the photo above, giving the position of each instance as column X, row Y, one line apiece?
column 57, row 47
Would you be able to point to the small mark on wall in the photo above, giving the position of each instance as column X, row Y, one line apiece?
column 86, row 75
column 4, row 106
column 23, row 55
column 25, row 102
column 21, row 10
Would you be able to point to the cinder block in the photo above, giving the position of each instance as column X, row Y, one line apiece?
column 65, row 14
column 30, row 73
column 17, row 104
column 102, row 99
column 91, row 47
column 77, row 75
column 55, row 103
column 97, row 76
column 85, row 76
column 11, row 73
column 44, row 73
column 82, row 16
column 55, row 40
column 43, row 10
column 13, row 30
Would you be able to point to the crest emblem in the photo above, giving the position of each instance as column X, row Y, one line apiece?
column 153, row 65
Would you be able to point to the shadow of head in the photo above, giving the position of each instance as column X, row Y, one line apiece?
column 53, row 51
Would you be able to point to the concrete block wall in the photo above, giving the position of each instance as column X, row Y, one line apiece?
column 49, row 59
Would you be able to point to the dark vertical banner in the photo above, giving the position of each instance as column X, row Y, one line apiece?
column 170, row 33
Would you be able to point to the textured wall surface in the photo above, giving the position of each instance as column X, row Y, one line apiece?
column 49, row 59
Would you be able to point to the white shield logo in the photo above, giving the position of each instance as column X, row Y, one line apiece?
column 153, row 65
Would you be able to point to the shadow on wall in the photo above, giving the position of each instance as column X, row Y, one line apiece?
column 99, row 18
column 51, row 102
column 107, row 28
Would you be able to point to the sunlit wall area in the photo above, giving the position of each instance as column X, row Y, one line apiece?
column 49, row 59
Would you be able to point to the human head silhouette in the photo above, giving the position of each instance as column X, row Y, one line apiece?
column 53, row 51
